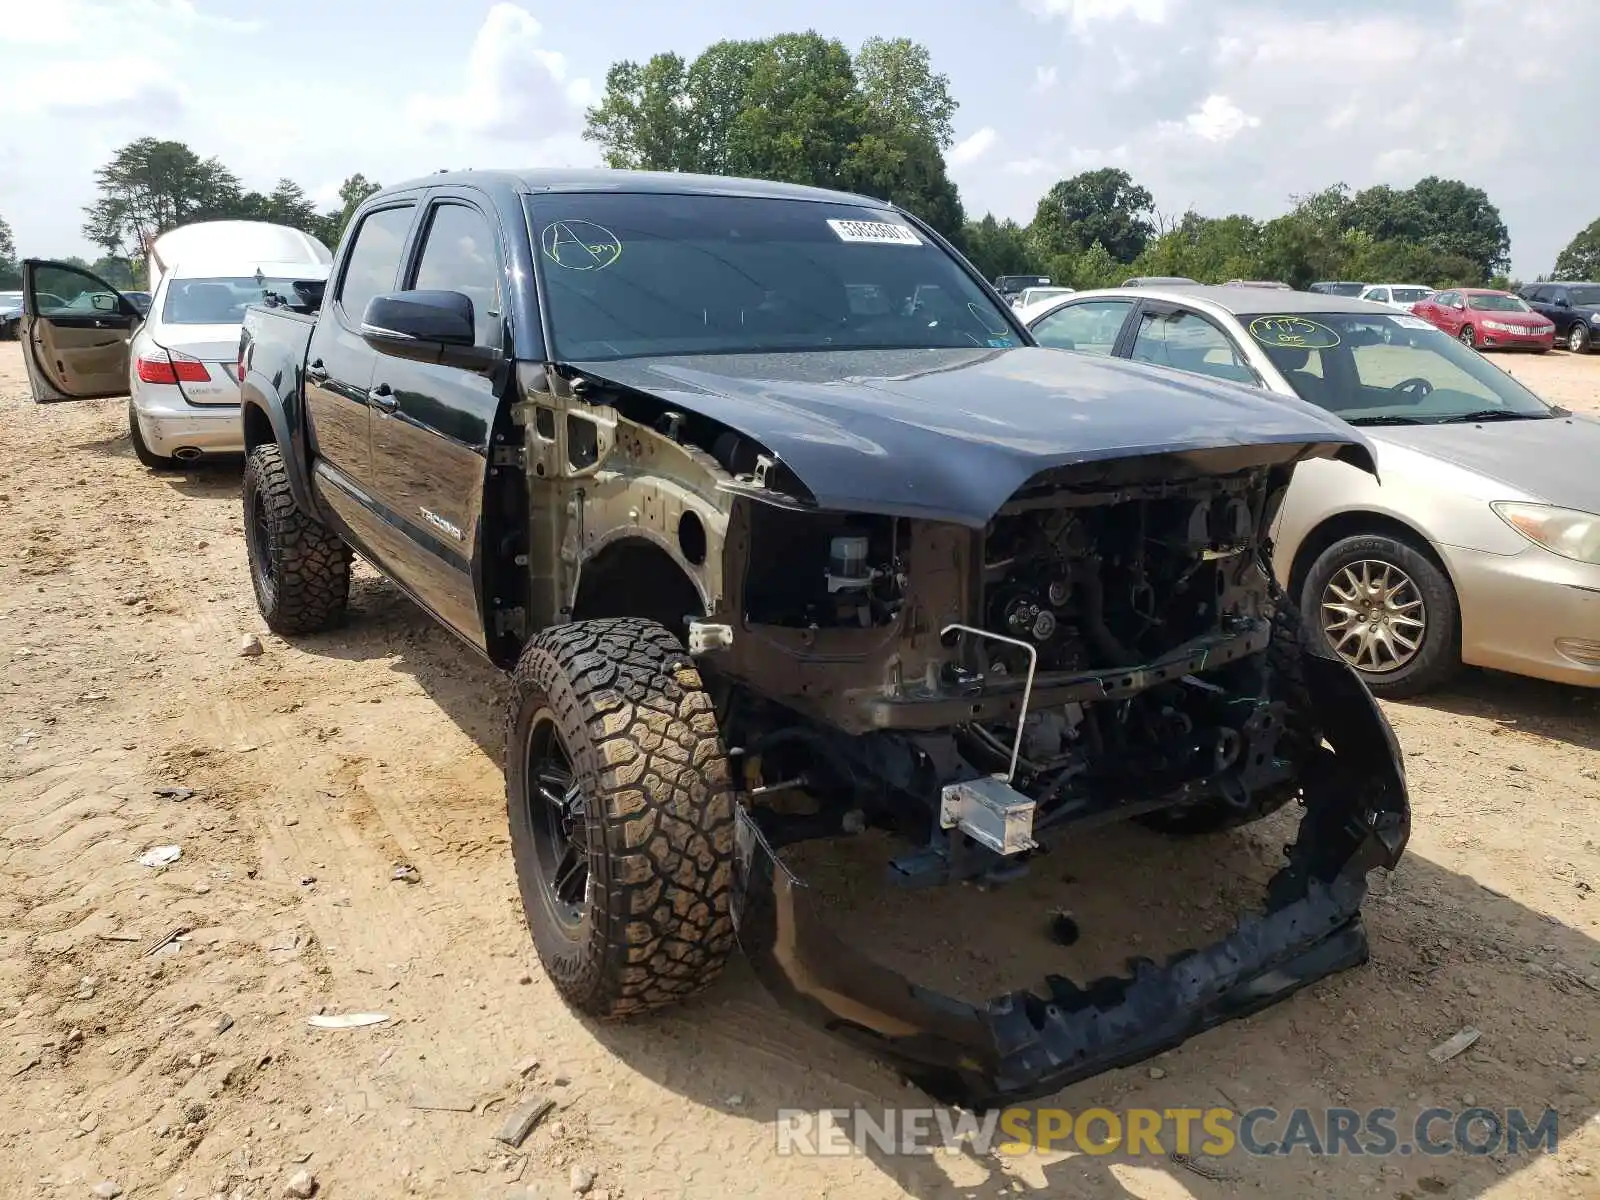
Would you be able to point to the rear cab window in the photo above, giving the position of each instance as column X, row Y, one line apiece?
column 372, row 263
column 459, row 255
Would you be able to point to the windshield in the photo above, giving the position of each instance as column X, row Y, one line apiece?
column 1492, row 303
column 1584, row 295
column 1340, row 289
column 1410, row 295
column 628, row 275
column 222, row 301
column 1374, row 370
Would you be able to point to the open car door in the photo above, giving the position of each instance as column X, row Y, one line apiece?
column 75, row 329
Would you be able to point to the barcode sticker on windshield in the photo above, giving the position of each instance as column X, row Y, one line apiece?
column 1411, row 322
column 884, row 232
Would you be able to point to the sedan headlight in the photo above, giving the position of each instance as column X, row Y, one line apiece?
column 1564, row 531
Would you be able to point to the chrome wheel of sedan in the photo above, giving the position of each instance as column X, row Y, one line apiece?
column 1374, row 616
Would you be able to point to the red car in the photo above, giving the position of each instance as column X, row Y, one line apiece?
column 1487, row 320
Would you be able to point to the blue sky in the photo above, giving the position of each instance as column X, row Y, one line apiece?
column 1221, row 105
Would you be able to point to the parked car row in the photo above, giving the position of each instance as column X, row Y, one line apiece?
column 1479, row 539
column 1451, row 429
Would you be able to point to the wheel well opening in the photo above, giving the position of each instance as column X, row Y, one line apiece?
column 257, row 427
column 1354, row 524
column 637, row 579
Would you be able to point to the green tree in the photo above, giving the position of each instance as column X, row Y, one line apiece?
column 1210, row 249
column 10, row 268
column 796, row 108
column 121, row 273
column 1103, row 206
column 643, row 121
column 286, row 204
column 902, row 92
column 1580, row 259
column 151, row 186
column 353, row 192
column 1095, row 268
column 1445, row 215
column 998, row 247
column 1411, row 262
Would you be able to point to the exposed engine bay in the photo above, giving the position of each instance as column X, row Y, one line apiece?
column 1078, row 592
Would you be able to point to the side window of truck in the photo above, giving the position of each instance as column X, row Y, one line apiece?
column 374, row 259
column 459, row 256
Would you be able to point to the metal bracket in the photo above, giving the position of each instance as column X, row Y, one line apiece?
column 704, row 638
column 510, row 620
column 989, row 810
column 1027, row 690
column 508, row 456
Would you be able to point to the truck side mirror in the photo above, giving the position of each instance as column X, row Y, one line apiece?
column 426, row 326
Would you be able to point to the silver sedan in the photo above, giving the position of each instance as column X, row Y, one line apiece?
column 1478, row 543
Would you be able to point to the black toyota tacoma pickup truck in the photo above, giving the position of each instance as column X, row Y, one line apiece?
column 785, row 530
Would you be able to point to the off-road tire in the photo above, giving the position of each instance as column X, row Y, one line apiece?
column 147, row 456
column 299, row 569
column 1439, row 657
column 641, row 735
column 1285, row 658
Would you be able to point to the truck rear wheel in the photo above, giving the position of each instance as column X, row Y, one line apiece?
column 300, row 570
column 621, row 807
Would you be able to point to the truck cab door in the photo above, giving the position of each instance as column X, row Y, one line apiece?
column 432, row 422
column 74, row 332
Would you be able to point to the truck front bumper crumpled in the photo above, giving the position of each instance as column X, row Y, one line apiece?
column 1025, row 1045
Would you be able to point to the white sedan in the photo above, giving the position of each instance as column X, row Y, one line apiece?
column 183, row 369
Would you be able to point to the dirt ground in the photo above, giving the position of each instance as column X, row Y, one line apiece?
column 153, row 1022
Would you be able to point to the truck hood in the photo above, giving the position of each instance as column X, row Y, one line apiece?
column 1552, row 459
column 952, row 434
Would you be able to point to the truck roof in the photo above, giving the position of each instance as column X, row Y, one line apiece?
column 604, row 179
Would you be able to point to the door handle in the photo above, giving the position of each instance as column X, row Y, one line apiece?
column 317, row 373
column 382, row 397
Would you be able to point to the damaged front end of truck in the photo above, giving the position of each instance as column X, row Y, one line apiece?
column 982, row 633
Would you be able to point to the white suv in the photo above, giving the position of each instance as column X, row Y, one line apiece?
column 1398, row 296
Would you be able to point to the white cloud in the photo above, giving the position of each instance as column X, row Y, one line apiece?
column 1027, row 167
column 971, row 149
column 512, row 86
column 1218, row 119
column 74, row 22
column 1083, row 13
column 1044, row 79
